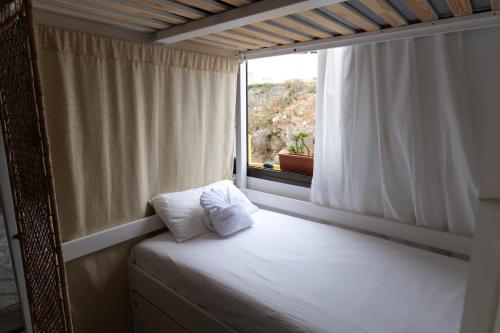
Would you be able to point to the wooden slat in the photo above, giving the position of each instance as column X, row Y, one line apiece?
column 263, row 35
column 230, row 41
column 495, row 4
column 422, row 9
column 326, row 22
column 386, row 12
column 208, row 5
column 173, row 8
column 140, row 10
column 80, row 6
column 281, row 32
column 349, row 14
column 301, row 27
column 210, row 42
column 244, row 38
column 460, row 7
column 61, row 12
column 237, row 3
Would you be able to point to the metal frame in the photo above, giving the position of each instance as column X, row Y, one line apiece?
column 238, row 17
column 476, row 21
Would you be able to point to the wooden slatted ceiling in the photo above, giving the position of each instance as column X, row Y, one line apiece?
column 349, row 14
column 107, row 12
column 297, row 25
column 422, row 9
column 327, row 22
column 173, row 8
column 386, row 12
column 460, row 7
column 208, row 5
column 141, row 10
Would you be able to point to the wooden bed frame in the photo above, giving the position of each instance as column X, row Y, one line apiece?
column 156, row 307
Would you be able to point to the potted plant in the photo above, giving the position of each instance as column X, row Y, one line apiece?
column 299, row 158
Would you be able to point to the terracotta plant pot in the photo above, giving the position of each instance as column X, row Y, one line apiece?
column 302, row 164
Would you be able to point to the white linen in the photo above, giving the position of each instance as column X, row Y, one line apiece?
column 290, row 275
column 399, row 127
column 224, row 213
column 184, row 216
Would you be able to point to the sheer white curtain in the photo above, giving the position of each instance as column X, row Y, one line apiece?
column 398, row 127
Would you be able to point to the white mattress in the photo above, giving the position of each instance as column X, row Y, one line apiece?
column 291, row 275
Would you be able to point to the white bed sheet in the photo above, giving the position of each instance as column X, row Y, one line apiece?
column 286, row 274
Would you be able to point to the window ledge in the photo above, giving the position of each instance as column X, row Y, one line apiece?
column 286, row 177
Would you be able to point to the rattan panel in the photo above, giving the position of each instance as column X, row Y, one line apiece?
column 21, row 115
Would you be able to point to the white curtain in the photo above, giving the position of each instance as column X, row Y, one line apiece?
column 398, row 127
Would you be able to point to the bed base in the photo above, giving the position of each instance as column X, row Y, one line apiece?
column 158, row 308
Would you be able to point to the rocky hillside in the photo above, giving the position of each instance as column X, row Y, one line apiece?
column 275, row 113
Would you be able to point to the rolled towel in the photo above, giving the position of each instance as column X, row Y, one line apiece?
column 223, row 213
column 230, row 220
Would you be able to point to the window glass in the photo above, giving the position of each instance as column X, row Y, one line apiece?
column 281, row 104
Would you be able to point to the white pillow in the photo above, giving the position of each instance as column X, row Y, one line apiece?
column 182, row 213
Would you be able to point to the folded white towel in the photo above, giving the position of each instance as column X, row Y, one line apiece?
column 224, row 213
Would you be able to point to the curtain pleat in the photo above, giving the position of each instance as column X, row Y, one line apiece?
column 126, row 121
column 399, row 127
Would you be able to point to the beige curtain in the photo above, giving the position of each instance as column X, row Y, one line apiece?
column 127, row 121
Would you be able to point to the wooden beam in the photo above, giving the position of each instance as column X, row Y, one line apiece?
column 106, row 12
column 173, row 8
column 230, row 41
column 460, row 7
column 263, row 35
column 351, row 15
column 140, row 10
column 422, row 9
column 256, row 12
column 208, row 5
column 245, row 38
column 281, row 31
column 237, row 3
column 212, row 43
column 495, row 5
column 386, row 12
column 327, row 22
column 50, row 15
column 293, row 23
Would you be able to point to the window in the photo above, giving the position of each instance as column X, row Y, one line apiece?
column 281, row 97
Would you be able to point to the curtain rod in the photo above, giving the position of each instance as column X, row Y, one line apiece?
column 470, row 22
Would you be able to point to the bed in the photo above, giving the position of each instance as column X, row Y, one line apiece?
column 286, row 274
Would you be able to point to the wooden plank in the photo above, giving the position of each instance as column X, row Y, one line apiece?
column 422, row 9
column 353, row 16
column 386, row 12
column 238, row 17
column 237, row 3
column 326, row 22
column 460, row 7
column 140, row 10
column 244, row 38
column 230, row 41
column 495, row 5
column 208, row 5
column 85, row 245
column 173, row 8
column 281, row 32
column 212, row 43
column 263, row 35
column 86, row 8
column 295, row 24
